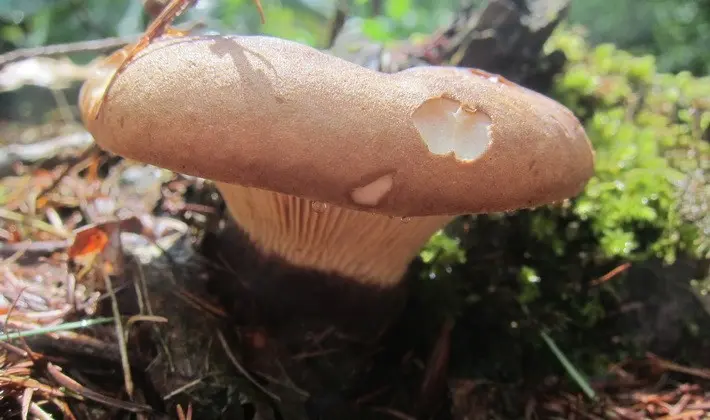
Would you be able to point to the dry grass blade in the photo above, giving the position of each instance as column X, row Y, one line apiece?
column 143, row 318
column 242, row 370
column 82, row 391
column 64, row 408
column 611, row 274
column 198, row 303
column 38, row 387
column 183, row 388
column 120, row 335
column 33, row 222
column 675, row 367
column 26, row 402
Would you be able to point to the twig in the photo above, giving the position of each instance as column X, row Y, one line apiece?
column 183, row 388
column 693, row 414
column 286, row 384
column 86, row 154
column 39, row 413
column 198, row 303
column 25, row 401
column 22, row 381
column 241, row 369
column 13, row 349
column 675, row 367
column 40, row 150
column 44, row 149
column 611, row 274
column 21, row 250
column 81, row 390
column 146, row 318
column 30, row 248
column 13, row 305
column 63, row 408
column 128, row 381
column 68, row 48
column 33, row 222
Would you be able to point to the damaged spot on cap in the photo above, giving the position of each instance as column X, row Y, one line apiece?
column 447, row 126
column 372, row 193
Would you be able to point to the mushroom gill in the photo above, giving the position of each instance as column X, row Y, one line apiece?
column 369, row 248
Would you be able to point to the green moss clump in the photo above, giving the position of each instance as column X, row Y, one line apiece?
column 647, row 129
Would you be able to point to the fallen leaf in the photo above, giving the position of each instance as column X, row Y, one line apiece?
column 89, row 240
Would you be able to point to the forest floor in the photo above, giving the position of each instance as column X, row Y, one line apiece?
column 66, row 259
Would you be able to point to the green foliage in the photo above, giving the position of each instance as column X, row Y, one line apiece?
column 42, row 22
column 677, row 32
column 646, row 128
column 529, row 290
column 400, row 19
column 443, row 250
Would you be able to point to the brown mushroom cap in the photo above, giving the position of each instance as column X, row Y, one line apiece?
column 277, row 115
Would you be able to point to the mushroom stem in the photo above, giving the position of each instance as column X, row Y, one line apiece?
column 369, row 248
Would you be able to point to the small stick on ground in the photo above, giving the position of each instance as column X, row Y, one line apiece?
column 242, row 370
column 77, row 388
column 125, row 364
column 68, row 48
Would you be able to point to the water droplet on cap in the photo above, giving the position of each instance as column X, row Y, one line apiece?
column 319, row 206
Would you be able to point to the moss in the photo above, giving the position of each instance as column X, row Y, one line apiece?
column 647, row 129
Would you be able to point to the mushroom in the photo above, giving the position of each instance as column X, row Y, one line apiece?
column 332, row 166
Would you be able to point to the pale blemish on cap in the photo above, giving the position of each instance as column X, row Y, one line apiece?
column 448, row 127
column 371, row 194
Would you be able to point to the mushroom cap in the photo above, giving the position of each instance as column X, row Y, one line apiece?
column 273, row 114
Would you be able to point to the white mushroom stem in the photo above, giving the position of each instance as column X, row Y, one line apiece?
column 366, row 247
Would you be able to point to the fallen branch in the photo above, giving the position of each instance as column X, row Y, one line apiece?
column 68, row 48
column 41, row 150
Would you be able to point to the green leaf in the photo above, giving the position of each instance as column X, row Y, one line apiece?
column 397, row 9
column 376, row 29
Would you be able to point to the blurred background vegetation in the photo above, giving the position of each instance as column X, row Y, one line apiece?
column 675, row 31
column 636, row 74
